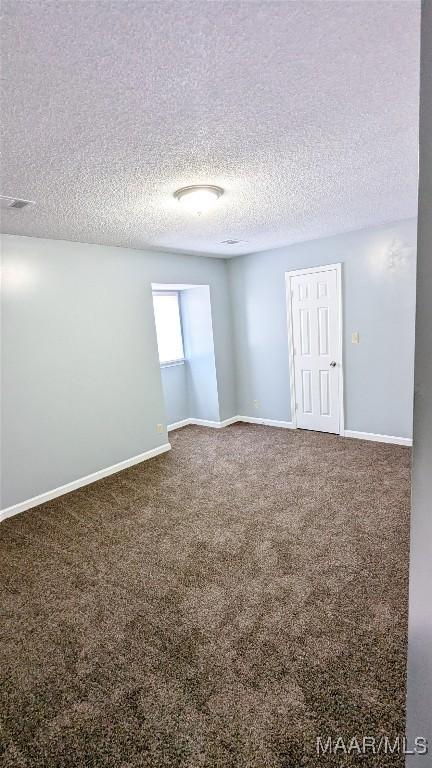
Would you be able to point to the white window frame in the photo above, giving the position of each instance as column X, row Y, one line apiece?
column 179, row 360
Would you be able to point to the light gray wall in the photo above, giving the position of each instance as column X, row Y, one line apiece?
column 190, row 389
column 82, row 387
column 175, row 392
column 81, row 378
column 379, row 303
column 419, row 702
column 202, row 388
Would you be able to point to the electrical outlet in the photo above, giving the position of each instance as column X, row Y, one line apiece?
column 355, row 337
column 256, row 403
column 159, row 428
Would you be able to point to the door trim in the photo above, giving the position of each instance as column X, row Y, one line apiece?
column 288, row 275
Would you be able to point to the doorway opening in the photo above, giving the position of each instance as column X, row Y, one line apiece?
column 314, row 316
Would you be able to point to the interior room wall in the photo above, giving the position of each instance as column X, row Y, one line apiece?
column 201, row 376
column 419, row 701
column 379, row 302
column 82, row 387
column 175, row 392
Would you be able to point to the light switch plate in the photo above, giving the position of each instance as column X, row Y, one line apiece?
column 355, row 337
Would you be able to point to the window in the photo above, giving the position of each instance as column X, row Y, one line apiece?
column 168, row 327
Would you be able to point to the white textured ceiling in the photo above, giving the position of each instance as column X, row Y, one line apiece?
column 304, row 112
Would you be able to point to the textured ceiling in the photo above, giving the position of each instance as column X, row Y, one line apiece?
column 305, row 112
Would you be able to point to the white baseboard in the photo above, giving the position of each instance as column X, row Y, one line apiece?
column 232, row 420
column 266, row 422
column 378, row 438
column 347, row 433
column 178, row 424
column 205, row 423
column 202, row 423
column 81, row 481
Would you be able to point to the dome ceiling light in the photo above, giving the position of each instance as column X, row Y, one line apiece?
column 198, row 198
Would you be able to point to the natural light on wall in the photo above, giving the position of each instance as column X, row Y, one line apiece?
column 168, row 327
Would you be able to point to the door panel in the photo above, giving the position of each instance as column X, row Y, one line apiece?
column 323, row 331
column 315, row 331
column 307, row 390
column 305, row 345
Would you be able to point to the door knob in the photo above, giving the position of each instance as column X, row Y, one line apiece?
column 333, row 364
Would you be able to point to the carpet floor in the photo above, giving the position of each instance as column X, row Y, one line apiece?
column 220, row 606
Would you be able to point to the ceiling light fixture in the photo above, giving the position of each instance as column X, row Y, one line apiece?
column 199, row 197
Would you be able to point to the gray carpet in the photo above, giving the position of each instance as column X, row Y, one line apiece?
column 219, row 606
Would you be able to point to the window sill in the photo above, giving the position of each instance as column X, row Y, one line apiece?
column 170, row 363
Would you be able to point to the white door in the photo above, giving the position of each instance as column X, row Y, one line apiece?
column 316, row 349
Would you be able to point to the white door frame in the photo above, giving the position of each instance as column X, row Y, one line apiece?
column 288, row 275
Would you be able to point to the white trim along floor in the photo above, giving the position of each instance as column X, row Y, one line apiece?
column 81, row 481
